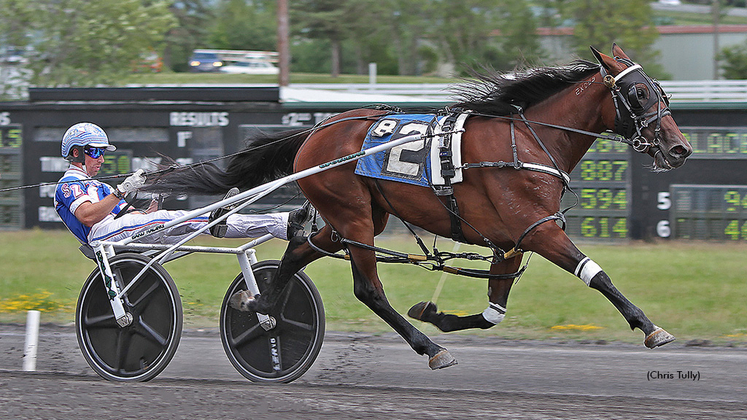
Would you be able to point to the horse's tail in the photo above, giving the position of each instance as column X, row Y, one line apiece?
column 268, row 157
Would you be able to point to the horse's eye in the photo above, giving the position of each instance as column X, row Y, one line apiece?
column 638, row 95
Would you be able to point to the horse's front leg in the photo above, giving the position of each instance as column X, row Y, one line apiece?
column 552, row 243
column 498, row 290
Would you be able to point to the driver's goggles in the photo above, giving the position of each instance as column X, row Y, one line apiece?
column 94, row 152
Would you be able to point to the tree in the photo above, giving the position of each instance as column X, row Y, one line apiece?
column 462, row 30
column 373, row 35
column 14, row 19
column 193, row 19
column 734, row 61
column 87, row 43
column 520, row 43
column 242, row 25
column 629, row 23
column 324, row 20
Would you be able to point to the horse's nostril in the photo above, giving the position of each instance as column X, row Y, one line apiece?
column 680, row 151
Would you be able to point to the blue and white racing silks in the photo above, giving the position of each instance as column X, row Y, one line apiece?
column 74, row 189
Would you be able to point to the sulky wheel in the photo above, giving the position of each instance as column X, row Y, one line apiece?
column 143, row 349
column 288, row 350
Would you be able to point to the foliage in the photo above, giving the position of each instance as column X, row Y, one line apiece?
column 78, row 42
column 464, row 29
column 413, row 37
column 16, row 15
column 83, row 43
column 383, row 33
column 629, row 23
column 324, row 20
column 734, row 61
column 242, row 25
column 193, row 18
column 520, row 40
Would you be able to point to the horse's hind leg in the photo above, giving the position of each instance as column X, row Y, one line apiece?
column 552, row 243
column 368, row 289
column 297, row 255
column 498, row 290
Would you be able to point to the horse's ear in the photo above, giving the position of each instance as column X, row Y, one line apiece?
column 604, row 60
column 618, row 52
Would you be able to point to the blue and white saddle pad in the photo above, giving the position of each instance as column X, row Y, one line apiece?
column 410, row 162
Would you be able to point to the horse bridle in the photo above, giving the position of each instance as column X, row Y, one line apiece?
column 627, row 91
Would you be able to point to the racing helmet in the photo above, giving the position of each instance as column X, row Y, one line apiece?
column 84, row 134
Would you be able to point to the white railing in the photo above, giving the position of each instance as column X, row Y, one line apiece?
column 424, row 91
column 680, row 90
column 706, row 90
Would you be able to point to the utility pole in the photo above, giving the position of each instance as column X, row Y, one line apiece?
column 716, row 17
column 283, row 45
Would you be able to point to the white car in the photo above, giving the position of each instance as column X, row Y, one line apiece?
column 254, row 67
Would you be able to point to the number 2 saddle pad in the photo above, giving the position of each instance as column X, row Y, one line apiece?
column 409, row 162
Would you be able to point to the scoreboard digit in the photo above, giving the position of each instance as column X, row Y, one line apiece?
column 602, row 182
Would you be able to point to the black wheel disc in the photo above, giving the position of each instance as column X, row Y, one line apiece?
column 143, row 349
column 288, row 350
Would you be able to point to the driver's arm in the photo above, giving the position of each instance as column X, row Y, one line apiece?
column 90, row 213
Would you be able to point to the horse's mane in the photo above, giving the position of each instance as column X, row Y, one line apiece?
column 495, row 93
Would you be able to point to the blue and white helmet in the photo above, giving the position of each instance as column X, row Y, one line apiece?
column 85, row 134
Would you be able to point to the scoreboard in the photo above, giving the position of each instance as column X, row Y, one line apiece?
column 11, row 201
column 617, row 198
column 602, row 182
column 709, row 212
column 705, row 198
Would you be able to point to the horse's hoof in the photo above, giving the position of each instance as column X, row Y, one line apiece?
column 420, row 309
column 240, row 300
column 658, row 338
column 442, row 360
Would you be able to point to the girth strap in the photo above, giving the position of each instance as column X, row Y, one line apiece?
column 457, row 233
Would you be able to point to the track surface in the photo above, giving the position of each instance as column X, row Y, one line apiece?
column 362, row 376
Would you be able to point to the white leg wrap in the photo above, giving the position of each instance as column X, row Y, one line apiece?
column 494, row 313
column 587, row 269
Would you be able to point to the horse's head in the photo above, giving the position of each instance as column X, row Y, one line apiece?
column 642, row 113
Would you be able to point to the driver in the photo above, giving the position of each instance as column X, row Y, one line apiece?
column 88, row 207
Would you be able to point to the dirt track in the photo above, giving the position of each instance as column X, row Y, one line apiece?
column 364, row 376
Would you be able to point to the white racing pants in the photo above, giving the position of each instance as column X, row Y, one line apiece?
column 239, row 226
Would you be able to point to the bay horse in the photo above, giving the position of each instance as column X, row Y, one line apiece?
column 537, row 124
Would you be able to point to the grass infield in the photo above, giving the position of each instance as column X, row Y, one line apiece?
column 695, row 290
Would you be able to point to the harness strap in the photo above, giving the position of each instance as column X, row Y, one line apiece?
column 457, row 233
column 445, row 154
column 517, row 164
column 399, row 257
column 445, row 192
column 557, row 216
column 537, row 167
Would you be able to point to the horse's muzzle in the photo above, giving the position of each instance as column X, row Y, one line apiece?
column 670, row 158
